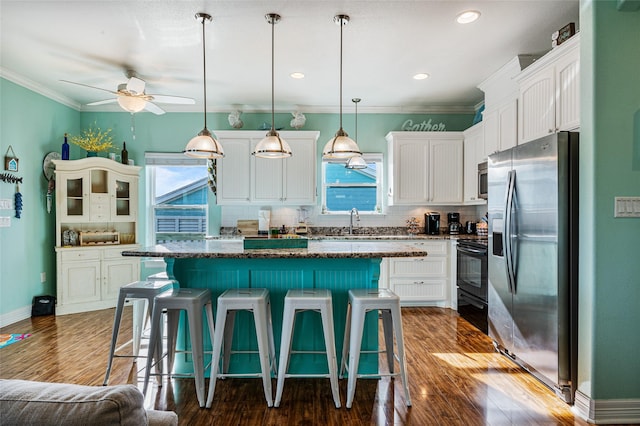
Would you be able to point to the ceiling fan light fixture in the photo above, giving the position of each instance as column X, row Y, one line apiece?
column 272, row 146
column 131, row 104
column 204, row 145
column 341, row 146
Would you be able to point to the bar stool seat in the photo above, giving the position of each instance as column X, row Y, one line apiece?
column 255, row 300
column 318, row 300
column 192, row 301
column 362, row 301
column 141, row 291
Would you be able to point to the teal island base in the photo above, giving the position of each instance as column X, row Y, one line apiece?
column 279, row 275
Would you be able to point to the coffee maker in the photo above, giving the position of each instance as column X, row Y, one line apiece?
column 432, row 223
column 453, row 222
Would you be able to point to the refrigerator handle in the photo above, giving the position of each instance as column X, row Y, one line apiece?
column 508, row 228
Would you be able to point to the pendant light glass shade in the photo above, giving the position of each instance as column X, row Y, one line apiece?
column 204, row 145
column 341, row 146
column 272, row 146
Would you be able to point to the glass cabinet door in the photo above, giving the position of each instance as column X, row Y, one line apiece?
column 124, row 194
column 74, row 203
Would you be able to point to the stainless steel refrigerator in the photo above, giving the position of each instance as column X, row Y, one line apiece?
column 533, row 257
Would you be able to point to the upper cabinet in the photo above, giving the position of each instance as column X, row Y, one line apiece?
column 244, row 179
column 425, row 167
column 473, row 154
column 96, row 194
column 550, row 93
column 500, row 115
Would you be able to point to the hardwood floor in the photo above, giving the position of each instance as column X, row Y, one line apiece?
column 455, row 377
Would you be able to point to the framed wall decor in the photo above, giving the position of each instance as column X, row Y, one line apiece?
column 10, row 160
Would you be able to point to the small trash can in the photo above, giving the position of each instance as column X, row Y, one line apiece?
column 43, row 305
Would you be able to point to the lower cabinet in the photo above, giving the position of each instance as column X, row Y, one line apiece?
column 421, row 281
column 89, row 279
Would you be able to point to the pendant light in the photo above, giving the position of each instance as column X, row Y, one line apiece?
column 356, row 162
column 272, row 146
column 204, row 145
column 341, row 146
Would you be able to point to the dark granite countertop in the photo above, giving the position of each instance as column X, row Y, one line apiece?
column 318, row 249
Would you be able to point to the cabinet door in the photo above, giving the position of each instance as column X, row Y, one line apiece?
column 234, row 179
column 445, row 171
column 123, row 198
column 72, row 200
column 80, row 282
column 115, row 274
column 491, row 122
column 267, row 179
column 537, row 106
column 567, row 75
column 508, row 125
column 299, row 180
column 410, row 174
column 473, row 143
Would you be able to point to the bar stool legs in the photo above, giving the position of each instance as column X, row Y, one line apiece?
column 191, row 300
column 140, row 291
column 303, row 300
column 257, row 301
column 362, row 301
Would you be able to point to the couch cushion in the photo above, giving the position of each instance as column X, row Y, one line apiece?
column 37, row 403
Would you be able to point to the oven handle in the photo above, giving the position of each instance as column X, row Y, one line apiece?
column 470, row 251
column 472, row 301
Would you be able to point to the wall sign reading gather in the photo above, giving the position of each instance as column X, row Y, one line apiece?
column 425, row 126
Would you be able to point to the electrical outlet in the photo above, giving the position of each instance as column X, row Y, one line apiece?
column 627, row 207
column 5, row 204
column 43, row 277
column 5, row 222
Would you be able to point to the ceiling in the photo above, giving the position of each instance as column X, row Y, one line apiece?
column 385, row 44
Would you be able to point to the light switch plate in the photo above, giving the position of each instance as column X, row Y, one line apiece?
column 627, row 207
column 5, row 204
column 5, row 222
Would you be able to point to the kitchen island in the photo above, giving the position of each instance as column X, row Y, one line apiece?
column 219, row 264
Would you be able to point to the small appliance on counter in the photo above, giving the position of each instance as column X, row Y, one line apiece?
column 470, row 227
column 264, row 219
column 453, row 222
column 432, row 223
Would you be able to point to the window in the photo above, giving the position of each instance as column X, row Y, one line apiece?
column 344, row 189
column 177, row 191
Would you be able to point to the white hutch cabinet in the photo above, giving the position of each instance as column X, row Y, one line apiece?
column 245, row 179
column 96, row 219
column 425, row 167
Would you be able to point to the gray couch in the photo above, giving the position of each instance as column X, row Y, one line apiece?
column 37, row 403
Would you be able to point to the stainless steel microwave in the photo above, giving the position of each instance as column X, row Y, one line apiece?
column 483, row 178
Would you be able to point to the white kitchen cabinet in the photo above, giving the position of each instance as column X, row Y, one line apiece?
column 500, row 127
column 550, row 93
column 425, row 167
column 473, row 154
column 422, row 281
column 96, row 219
column 244, row 179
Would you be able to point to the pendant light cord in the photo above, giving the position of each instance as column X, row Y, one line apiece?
column 204, row 68
column 273, row 119
column 341, row 26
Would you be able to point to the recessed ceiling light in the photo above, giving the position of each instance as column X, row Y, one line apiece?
column 468, row 16
column 297, row 75
column 421, row 76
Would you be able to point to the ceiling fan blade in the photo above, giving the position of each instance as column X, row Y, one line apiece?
column 106, row 101
column 166, row 99
column 135, row 86
column 154, row 108
column 91, row 87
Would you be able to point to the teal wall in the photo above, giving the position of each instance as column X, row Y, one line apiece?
column 609, row 268
column 33, row 125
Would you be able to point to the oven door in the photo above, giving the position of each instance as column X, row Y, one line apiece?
column 472, row 271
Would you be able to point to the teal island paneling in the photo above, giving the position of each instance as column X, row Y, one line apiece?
column 278, row 276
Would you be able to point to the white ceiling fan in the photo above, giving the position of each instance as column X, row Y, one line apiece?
column 132, row 97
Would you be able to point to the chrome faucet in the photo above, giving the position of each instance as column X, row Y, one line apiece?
column 353, row 211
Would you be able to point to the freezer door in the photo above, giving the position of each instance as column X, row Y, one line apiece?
column 500, row 298
column 535, row 248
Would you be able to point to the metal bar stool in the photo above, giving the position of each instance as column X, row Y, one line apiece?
column 255, row 300
column 318, row 300
column 362, row 301
column 141, row 291
column 192, row 301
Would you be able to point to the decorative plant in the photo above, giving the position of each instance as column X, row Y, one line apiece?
column 94, row 139
column 412, row 225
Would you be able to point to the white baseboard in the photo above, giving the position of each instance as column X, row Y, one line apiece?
column 15, row 316
column 607, row 411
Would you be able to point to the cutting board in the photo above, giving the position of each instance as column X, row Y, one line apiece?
column 247, row 227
